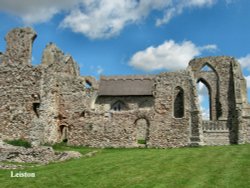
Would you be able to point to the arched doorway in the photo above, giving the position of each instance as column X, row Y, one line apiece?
column 142, row 131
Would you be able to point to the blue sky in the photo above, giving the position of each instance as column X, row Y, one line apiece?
column 134, row 36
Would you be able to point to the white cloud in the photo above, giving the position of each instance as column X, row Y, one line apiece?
column 36, row 11
column 98, row 18
column 106, row 18
column 231, row 1
column 177, row 8
column 245, row 62
column 205, row 113
column 169, row 55
column 248, row 81
column 203, row 98
column 99, row 70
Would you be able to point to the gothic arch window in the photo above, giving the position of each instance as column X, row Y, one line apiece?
column 207, row 68
column 204, row 96
column 178, row 102
column 118, row 106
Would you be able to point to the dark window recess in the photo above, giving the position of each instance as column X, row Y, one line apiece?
column 179, row 103
column 82, row 114
column 118, row 106
column 36, row 107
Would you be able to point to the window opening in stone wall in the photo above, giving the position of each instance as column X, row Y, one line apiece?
column 206, row 68
column 118, row 106
column 1, row 56
column 36, row 107
column 88, row 84
column 204, row 100
column 64, row 133
column 179, row 102
column 82, row 114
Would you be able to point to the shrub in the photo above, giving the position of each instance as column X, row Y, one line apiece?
column 19, row 142
column 141, row 141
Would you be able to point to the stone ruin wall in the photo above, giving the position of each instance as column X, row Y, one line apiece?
column 52, row 102
column 229, row 104
column 101, row 127
column 18, row 86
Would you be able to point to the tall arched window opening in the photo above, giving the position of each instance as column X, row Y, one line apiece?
column 204, row 96
column 178, row 102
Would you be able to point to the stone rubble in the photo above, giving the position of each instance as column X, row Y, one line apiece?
column 36, row 155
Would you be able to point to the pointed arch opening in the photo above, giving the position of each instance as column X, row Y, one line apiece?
column 207, row 68
column 204, row 97
column 178, row 102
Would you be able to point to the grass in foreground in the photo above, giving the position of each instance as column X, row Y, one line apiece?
column 221, row 166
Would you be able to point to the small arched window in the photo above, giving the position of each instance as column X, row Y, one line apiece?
column 118, row 106
column 178, row 102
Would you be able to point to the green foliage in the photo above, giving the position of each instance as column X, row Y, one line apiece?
column 141, row 141
column 19, row 142
column 207, row 167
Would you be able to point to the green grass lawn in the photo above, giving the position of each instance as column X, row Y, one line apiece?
column 220, row 166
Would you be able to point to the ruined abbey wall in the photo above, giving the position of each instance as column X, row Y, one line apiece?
column 52, row 103
column 18, row 86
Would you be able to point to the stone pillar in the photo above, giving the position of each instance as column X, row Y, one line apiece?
column 19, row 46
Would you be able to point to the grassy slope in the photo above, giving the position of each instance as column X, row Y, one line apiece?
column 223, row 166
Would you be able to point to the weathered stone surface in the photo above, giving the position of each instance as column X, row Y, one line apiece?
column 51, row 103
column 19, row 46
column 41, row 154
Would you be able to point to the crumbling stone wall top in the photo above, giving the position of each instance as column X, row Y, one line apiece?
column 19, row 46
column 57, row 61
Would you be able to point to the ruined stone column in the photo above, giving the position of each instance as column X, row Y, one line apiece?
column 19, row 46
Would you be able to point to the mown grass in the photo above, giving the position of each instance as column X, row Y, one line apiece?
column 221, row 166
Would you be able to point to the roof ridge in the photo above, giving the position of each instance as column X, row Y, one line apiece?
column 128, row 77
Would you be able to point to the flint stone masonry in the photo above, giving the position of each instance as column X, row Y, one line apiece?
column 19, row 46
column 41, row 154
column 51, row 102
